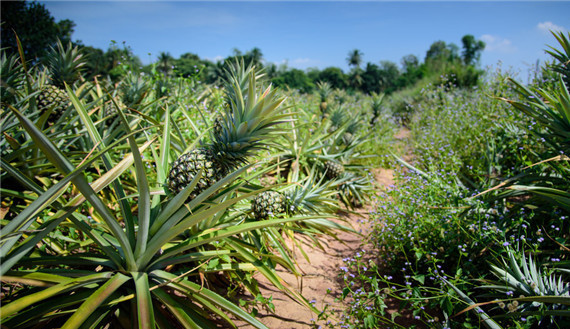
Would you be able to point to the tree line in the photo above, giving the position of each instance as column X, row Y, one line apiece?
column 38, row 31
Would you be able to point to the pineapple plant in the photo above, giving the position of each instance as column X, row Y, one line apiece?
column 247, row 126
column 309, row 196
column 376, row 107
column 11, row 78
column 324, row 89
column 562, row 56
column 64, row 66
column 133, row 89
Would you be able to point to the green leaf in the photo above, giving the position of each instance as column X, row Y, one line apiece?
column 16, row 254
column 145, row 310
column 162, row 167
column 93, row 302
column 35, row 278
column 176, row 309
column 213, row 263
column 191, row 288
column 64, row 165
column 345, row 292
column 487, row 321
column 420, row 278
column 97, row 140
column 218, row 234
column 70, row 284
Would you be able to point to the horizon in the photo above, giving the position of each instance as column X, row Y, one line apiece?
column 307, row 35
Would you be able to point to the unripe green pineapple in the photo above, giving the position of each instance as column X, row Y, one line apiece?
column 247, row 126
column 185, row 168
column 110, row 111
column 63, row 65
column 268, row 204
column 333, row 169
column 53, row 97
column 347, row 138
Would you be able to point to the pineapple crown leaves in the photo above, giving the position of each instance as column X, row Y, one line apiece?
column 324, row 89
column 249, row 119
column 65, row 64
column 376, row 104
column 11, row 76
column 312, row 196
column 133, row 89
column 524, row 276
column 562, row 56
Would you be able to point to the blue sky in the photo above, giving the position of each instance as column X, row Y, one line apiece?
column 317, row 34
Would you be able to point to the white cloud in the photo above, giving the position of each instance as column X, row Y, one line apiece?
column 498, row 44
column 301, row 61
column 215, row 59
column 546, row 27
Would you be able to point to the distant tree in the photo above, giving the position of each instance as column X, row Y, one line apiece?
column 96, row 64
column 215, row 72
column 438, row 51
column 334, row 76
column 189, row 64
column 440, row 55
column 472, row 49
column 236, row 53
column 409, row 63
column 254, row 56
column 35, row 27
column 389, row 74
column 296, row 79
column 65, row 29
column 271, row 71
column 119, row 61
column 453, row 52
column 313, row 74
column 372, row 79
column 354, row 58
column 411, row 71
column 355, row 78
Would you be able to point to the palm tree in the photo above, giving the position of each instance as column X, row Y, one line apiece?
column 165, row 63
column 354, row 58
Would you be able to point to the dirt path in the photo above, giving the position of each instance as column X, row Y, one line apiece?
column 321, row 282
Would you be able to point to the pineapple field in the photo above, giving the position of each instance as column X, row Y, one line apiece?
column 158, row 201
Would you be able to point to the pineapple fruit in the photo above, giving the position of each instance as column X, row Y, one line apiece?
column 64, row 66
column 268, row 204
column 110, row 111
column 53, row 97
column 185, row 168
column 247, row 126
column 333, row 169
